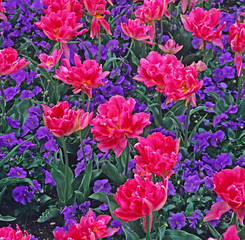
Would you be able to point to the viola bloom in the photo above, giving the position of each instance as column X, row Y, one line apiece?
column 229, row 185
column 136, row 30
column 237, row 42
column 158, row 153
column 10, row 62
column 170, row 47
column 97, row 9
column 115, row 123
column 49, row 61
column 84, row 77
column 63, row 121
column 201, row 23
column 10, row 234
column 138, row 198
column 89, row 228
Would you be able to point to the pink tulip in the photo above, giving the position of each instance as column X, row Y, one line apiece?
column 9, row 61
column 170, row 47
column 97, row 9
column 237, row 42
column 9, row 233
column 200, row 66
column 89, row 228
column 230, row 234
column 158, row 153
column 115, row 123
column 136, row 30
column 141, row 172
column 184, row 4
column 84, row 77
column 229, row 185
column 49, row 61
column 201, row 23
column 2, row 9
column 63, row 121
column 138, row 198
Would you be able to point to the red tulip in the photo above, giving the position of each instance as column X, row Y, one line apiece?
column 115, row 123
column 158, row 153
column 229, row 184
column 63, row 121
column 10, row 234
column 9, row 61
column 139, row 198
column 170, row 47
column 89, row 228
column 230, row 234
column 50, row 61
column 84, row 77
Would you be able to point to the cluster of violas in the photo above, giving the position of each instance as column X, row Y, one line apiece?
column 115, row 122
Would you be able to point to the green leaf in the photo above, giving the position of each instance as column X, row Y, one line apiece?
column 197, row 109
column 220, row 106
column 229, row 99
column 231, row 133
column 209, row 54
column 112, row 172
column 14, row 180
column 1, row 40
column 241, row 233
column 15, row 18
column 214, row 95
column 213, row 231
column 130, row 235
column 49, row 213
column 89, row 52
column 134, row 59
column 179, row 235
column 161, row 232
column 176, row 106
column 7, row 218
column 11, row 153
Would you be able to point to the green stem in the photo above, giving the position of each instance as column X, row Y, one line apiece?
column 187, row 123
column 132, row 10
column 128, row 158
column 160, row 103
column 66, row 168
column 3, row 98
column 130, row 47
column 88, row 104
column 82, row 95
column 240, row 86
column 148, row 233
column 153, row 46
column 189, row 6
column 204, row 51
column 81, row 140
column 99, row 50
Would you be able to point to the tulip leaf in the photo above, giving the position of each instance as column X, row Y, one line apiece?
column 197, row 109
column 15, row 18
column 214, row 95
column 241, row 233
column 213, row 231
column 49, row 213
column 220, row 106
column 194, row 130
column 130, row 235
column 14, row 180
column 161, row 232
column 179, row 235
column 89, row 52
column 176, row 106
column 7, row 218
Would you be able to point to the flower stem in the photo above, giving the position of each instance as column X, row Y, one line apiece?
column 240, row 87
column 204, row 51
column 189, row 6
column 127, row 160
column 88, row 104
column 130, row 47
column 3, row 98
column 99, row 50
column 148, row 233
column 187, row 123
column 81, row 140
column 82, row 95
column 66, row 168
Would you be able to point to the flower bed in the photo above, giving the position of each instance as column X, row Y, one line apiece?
column 122, row 119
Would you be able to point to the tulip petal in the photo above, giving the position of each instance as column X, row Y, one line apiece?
column 238, row 62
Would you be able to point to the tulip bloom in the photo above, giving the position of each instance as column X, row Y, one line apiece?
column 83, row 77
column 136, row 30
column 115, row 123
column 170, row 47
column 9, row 61
column 201, row 23
column 229, row 185
column 231, row 233
column 89, row 228
column 10, row 234
column 97, row 9
column 50, row 61
column 63, row 121
column 237, row 42
column 138, row 198
column 158, row 154
column 2, row 9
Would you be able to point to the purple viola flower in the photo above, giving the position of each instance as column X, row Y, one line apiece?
column 192, row 183
column 79, row 168
column 228, row 72
column 10, row 6
column 43, row 133
column 22, row 195
column 32, row 122
column 112, row 45
column 68, row 212
column 217, row 137
column 171, row 190
column 116, row 90
column 196, row 42
column 35, row 111
column 222, row 161
column 5, row 26
column 8, row 140
column 226, row 57
column 232, row 109
column 36, row 90
column 17, row 172
column 48, row 178
column 103, row 207
column 24, row 130
column 84, row 207
column 20, row 76
column 218, row 75
column 51, row 145
column 207, row 81
column 27, row 145
column 9, row 93
column 197, row 215
column 13, row 122
column 200, row 141
column 87, row 150
column 116, row 224
column 177, row 221
column 26, row 94
column 218, row 118
column 210, row 106
column 182, row 119
column 240, row 162
column 102, row 186
column 37, row 186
